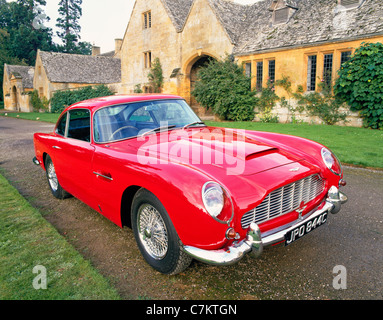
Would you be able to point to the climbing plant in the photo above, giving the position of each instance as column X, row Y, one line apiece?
column 360, row 83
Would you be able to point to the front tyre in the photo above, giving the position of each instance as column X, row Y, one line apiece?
column 53, row 182
column 156, row 236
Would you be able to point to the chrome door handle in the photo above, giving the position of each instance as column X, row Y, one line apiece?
column 105, row 176
column 56, row 147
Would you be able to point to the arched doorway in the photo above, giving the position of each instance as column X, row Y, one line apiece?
column 15, row 103
column 199, row 63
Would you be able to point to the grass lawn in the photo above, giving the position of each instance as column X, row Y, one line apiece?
column 27, row 240
column 37, row 116
column 354, row 146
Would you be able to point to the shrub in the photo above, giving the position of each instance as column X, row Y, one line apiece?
column 38, row 103
column 63, row 99
column 223, row 87
column 266, row 103
column 323, row 104
column 360, row 83
column 155, row 76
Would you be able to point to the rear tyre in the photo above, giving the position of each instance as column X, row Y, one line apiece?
column 53, row 182
column 156, row 236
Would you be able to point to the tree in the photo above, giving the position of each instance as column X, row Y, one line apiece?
column 155, row 76
column 22, row 33
column 70, row 13
column 23, row 21
column 360, row 83
column 5, row 58
column 223, row 87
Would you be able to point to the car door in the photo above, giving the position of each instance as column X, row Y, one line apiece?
column 75, row 153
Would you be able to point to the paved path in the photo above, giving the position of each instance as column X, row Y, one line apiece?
column 352, row 239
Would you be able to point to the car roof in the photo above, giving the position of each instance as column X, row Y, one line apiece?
column 96, row 103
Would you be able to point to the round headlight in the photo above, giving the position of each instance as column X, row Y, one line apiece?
column 331, row 161
column 213, row 198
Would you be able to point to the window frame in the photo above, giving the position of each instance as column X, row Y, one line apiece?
column 311, row 79
column 147, row 59
column 341, row 56
column 67, row 119
column 259, row 76
column 147, row 20
column 330, row 74
column 271, row 71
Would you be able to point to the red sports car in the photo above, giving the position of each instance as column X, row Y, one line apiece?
column 186, row 189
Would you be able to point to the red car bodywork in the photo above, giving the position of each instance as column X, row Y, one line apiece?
column 106, row 175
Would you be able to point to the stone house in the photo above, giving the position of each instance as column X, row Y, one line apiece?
column 298, row 39
column 58, row 71
column 304, row 40
column 61, row 71
column 17, row 82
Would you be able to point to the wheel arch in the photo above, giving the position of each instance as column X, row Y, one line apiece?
column 126, row 205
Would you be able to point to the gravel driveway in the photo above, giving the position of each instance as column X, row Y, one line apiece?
column 352, row 239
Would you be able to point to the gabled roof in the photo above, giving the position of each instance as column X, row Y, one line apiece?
column 26, row 73
column 314, row 22
column 251, row 29
column 75, row 68
column 178, row 11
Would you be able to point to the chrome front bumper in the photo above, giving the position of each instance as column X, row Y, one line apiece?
column 255, row 241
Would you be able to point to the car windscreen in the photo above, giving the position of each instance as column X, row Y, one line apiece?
column 120, row 122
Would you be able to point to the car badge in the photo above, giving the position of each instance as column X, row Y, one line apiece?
column 294, row 169
column 300, row 211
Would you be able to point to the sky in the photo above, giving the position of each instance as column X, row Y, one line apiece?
column 102, row 21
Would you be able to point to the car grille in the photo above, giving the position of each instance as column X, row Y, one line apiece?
column 284, row 200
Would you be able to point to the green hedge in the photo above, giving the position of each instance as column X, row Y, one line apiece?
column 63, row 99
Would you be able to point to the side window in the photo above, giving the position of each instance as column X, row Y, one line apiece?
column 79, row 125
column 62, row 125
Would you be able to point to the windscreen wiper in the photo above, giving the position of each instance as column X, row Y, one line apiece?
column 193, row 124
column 158, row 129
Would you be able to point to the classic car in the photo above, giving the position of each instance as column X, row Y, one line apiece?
column 188, row 191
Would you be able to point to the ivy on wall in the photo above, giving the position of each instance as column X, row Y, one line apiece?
column 360, row 83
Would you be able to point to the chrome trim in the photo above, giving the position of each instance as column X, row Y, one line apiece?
column 103, row 176
column 35, row 161
column 231, row 255
column 255, row 241
column 284, row 200
column 227, row 194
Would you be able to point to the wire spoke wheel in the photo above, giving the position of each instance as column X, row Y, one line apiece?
column 52, row 177
column 152, row 232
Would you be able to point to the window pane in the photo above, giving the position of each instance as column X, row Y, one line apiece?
column 272, row 71
column 122, row 122
column 61, row 126
column 79, row 125
column 259, row 76
column 311, row 73
column 345, row 56
column 327, row 68
column 248, row 69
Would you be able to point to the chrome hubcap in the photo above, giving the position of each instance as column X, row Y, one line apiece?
column 152, row 231
column 52, row 178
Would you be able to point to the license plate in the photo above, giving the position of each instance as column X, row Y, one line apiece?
column 305, row 228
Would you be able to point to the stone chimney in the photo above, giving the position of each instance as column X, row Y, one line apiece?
column 96, row 51
column 118, row 44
